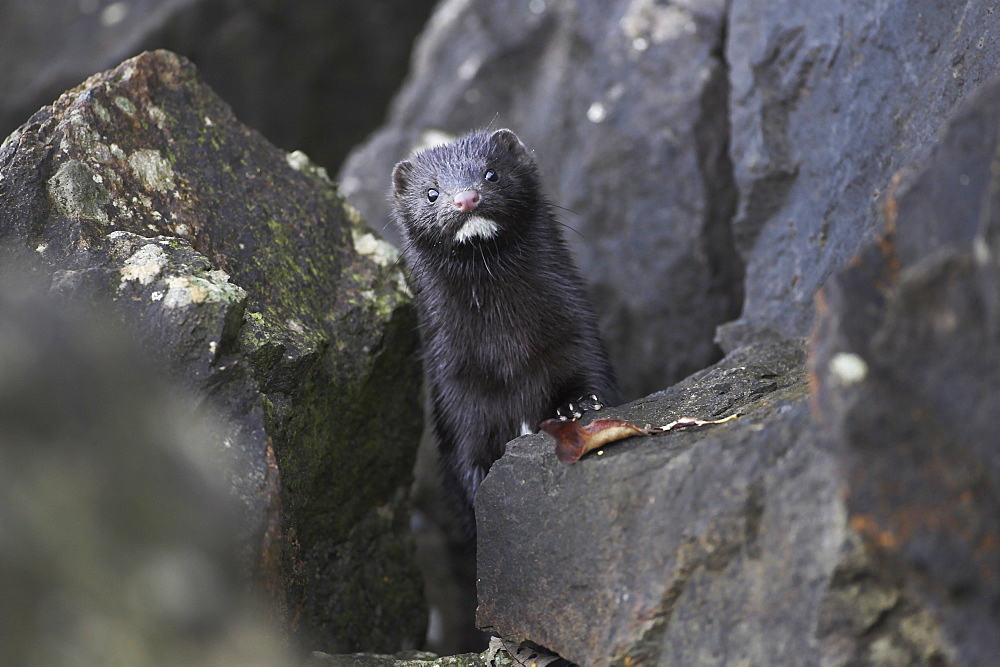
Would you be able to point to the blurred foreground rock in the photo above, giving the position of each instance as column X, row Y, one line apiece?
column 848, row 519
column 118, row 535
column 240, row 271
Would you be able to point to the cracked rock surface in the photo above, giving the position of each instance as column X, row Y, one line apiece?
column 828, row 101
column 654, row 551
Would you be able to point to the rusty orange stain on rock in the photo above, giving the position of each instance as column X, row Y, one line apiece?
column 866, row 526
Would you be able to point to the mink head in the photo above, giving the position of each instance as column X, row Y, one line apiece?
column 482, row 187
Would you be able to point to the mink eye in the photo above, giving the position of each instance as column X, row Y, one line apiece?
column 491, row 176
column 432, row 195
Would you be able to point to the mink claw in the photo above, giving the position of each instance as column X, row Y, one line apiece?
column 590, row 402
column 568, row 412
column 574, row 409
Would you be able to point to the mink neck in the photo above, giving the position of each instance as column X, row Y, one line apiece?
column 512, row 248
column 482, row 272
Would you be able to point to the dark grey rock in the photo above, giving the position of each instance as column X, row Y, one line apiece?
column 907, row 363
column 598, row 560
column 624, row 104
column 286, row 68
column 239, row 269
column 718, row 546
column 828, row 101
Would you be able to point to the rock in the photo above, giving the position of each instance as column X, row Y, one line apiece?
column 187, row 314
column 419, row 660
column 241, row 270
column 719, row 546
column 603, row 560
column 624, row 104
column 283, row 68
column 498, row 654
column 907, row 362
column 827, row 102
column 120, row 537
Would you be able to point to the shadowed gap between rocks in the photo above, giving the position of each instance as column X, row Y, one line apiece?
column 726, row 266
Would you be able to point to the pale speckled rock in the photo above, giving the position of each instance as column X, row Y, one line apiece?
column 418, row 660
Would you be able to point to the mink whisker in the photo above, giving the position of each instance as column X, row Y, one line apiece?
column 572, row 229
column 402, row 251
column 486, row 264
column 563, row 208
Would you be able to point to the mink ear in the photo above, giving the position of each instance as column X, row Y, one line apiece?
column 509, row 140
column 401, row 176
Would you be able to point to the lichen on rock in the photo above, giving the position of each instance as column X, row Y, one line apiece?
column 78, row 191
column 152, row 169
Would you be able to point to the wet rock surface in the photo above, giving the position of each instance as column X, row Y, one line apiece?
column 905, row 358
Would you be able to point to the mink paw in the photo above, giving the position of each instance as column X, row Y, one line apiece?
column 574, row 409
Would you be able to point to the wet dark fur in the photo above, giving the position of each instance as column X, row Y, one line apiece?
column 508, row 331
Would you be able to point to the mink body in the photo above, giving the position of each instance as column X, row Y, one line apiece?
column 508, row 333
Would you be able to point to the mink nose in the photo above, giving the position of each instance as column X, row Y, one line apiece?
column 467, row 200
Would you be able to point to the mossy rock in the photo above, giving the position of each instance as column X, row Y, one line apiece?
column 310, row 344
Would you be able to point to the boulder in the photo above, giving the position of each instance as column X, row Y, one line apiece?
column 723, row 545
column 239, row 269
column 283, row 67
column 650, row 552
column 625, row 106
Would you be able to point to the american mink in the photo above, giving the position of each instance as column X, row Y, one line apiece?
column 509, row 335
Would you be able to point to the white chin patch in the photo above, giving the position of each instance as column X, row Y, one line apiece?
column 476, row 226
column 525, row 429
